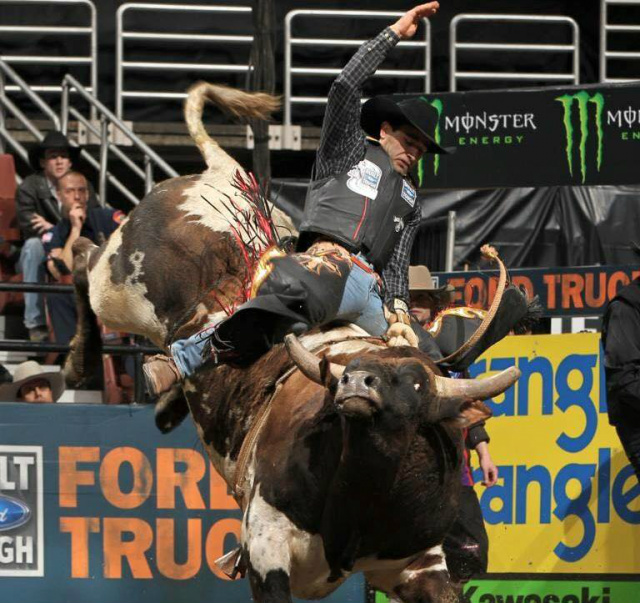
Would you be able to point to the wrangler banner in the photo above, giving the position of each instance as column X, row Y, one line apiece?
column 567, row 501
column 575, row 291
column 547, row 136
column 96, row 505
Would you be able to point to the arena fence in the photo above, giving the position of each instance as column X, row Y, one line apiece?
column 9, row 108
column 292, row 42
column 622, row 31
column 67, row 13
column 160, row 39
column 137, row 350
column 519, row 76
column 109, row 127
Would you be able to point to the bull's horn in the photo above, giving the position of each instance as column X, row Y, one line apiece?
column 476, row 389
column 307, row 362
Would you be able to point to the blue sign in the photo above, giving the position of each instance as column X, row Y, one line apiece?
column 100, row 506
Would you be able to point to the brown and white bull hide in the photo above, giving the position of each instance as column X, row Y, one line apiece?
column 329, row 490
column 164, row 271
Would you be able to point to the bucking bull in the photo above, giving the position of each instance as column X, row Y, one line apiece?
column 344, row 454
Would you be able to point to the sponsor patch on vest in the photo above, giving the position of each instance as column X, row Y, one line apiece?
column 408, row 193
column 364, row 179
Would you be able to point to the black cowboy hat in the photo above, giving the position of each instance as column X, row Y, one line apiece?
column 53, row 140
column 413, row 111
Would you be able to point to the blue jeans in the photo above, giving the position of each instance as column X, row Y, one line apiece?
column 361, row 305
column 31, row 265
column 361, row 302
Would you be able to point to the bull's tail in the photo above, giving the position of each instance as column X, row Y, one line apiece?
column 83, row 367
column 239, row 104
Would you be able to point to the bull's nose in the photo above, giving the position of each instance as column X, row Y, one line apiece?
column 361, row 385
column 359, row 380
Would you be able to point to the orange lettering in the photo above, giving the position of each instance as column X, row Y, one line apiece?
column 550, row 280
column 142, row 477
column 214, row 546
column 220, row 497
column 589, row 293
column 79, row 528
column 635, row 274
column 186, row 481
column 572, row 287
column 70, row 476
column 475, row 293
column 166, row 547
column 616, row 279
column 116, row 549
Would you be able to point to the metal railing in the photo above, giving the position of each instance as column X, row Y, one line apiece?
column 123, row 66
column 543, row 20
column 607, row 28
column 59, row 33
column 109, row 122
column 137, row 350
column 291, row 42
column 8, row 107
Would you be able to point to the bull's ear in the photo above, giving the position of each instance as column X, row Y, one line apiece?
column 464, row 414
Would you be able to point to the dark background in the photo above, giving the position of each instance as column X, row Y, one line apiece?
column 543, row 226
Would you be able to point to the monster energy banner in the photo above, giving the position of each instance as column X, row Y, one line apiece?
column 536, row 137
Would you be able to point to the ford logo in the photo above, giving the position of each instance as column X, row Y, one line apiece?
column 13, row 513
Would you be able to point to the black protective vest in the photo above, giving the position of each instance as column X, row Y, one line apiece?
column 364, row 209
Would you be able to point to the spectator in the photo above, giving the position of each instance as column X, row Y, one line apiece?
column 5, row 375
column 32, row 383
column 621, row 342
column 467, row 544
column 425, row 301
column 38, row 210
column 95, row 223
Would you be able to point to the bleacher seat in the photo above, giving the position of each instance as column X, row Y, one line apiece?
column 8, row 223
column 9, row 232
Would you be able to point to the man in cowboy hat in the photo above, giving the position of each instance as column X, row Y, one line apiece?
column 360, row 219
column 32, row 383
column 39, row 209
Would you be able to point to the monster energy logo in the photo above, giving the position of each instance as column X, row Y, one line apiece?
column 583, row 100
column 437, row 105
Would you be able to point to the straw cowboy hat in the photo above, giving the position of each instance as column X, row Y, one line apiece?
column 420, row 281
column 30, row 371
column 53, row 140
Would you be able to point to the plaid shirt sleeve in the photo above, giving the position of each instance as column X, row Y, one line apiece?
column 342, row 140
column 396, row 273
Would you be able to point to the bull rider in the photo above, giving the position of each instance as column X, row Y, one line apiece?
column 360, row 219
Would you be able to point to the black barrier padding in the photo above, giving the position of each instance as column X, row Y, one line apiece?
column 531, row 227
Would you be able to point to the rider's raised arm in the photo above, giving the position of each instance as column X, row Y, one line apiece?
column 342, row 139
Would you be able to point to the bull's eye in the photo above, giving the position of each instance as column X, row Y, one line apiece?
column 417, row 386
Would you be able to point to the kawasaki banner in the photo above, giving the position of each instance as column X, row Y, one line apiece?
column 537, row 137
column 576, row 291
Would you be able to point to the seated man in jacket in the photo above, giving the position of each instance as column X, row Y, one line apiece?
column 95, row 223
column 361, row 215
column 39, row 209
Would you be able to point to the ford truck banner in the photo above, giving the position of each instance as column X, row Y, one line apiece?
column 96, row 505
column 582, row 135
column 572, row 291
